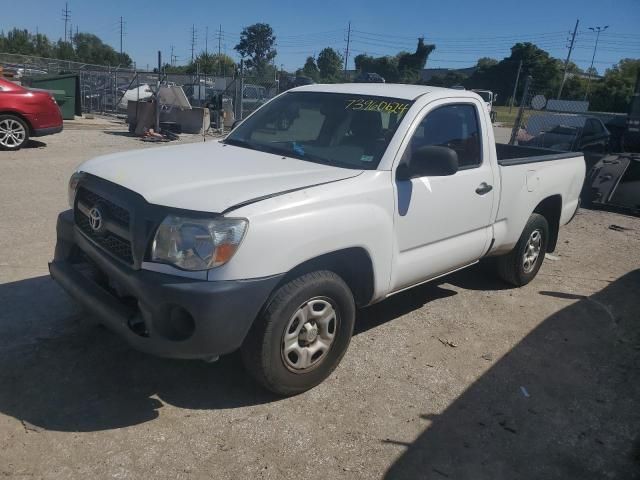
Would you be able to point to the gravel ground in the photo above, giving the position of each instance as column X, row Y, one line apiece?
column 462, row 378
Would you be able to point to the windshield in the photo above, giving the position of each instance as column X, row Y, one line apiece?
column 344, row 130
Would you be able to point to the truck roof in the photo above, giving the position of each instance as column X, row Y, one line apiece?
column 395, row 90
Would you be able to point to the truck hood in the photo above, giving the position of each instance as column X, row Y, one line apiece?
column 210, row 177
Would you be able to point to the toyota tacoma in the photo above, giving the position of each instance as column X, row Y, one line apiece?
column 326, row 199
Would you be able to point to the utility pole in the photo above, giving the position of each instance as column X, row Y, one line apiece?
column 206, row 41
column 121, row 34
column 515, row 87
column 171, row 57
column 595, row 47
column 157, row 105
column 219, row 49
column 193, row 41
column 566, row 62
column 346, row 54
column 523, row 104
column 66, row 16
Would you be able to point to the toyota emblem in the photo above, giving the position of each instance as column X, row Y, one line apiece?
column 95, row 219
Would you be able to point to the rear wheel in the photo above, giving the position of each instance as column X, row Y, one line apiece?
column 521, row 265
column 14, row 132
column 302, row 335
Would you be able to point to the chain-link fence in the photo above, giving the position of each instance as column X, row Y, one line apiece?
column 565, row 125
column 103, row 88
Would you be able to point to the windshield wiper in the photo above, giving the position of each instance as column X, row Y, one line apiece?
column 240, row 143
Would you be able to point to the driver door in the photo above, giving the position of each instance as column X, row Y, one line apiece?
column 444, row 222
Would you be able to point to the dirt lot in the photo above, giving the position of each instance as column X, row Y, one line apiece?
column 463, row 378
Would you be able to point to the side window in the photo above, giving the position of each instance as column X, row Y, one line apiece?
column 453, row 126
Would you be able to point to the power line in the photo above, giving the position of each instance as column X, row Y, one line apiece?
column 386, row 36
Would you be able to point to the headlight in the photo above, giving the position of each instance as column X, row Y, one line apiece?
column 197, row 244
column 73, row 187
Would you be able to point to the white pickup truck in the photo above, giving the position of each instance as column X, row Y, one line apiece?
column 327, row 198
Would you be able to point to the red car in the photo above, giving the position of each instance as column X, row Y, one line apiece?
column 26, row 113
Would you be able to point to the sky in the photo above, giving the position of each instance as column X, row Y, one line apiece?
column 462, row 30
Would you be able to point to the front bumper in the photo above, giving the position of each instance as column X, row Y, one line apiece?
column 161, row 314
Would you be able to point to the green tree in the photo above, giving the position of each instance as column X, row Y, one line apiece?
column 386, row 67
column 85, row 47
column 42, row 46
column 212, row 64
column 19, row 41
column 63, row 51
column 449, row 79
column 545, row 70
column 613, row 93
column 310, row 69
column 90, row 49
column 329, row 65
column 257, row 42
column 485, row 63
column 411, row 64
column 403, row 67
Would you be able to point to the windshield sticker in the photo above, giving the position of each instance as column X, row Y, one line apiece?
column 377, row 106
column 366, row 158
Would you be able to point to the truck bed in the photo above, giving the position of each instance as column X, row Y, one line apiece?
column 517, row 155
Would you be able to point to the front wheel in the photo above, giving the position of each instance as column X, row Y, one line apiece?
column 521, row 265
column 14, row 132
column 302, row 334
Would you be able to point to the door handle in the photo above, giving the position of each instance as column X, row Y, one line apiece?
column 483, row 188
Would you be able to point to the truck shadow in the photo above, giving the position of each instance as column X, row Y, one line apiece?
column 563, row 403
column 59, row 372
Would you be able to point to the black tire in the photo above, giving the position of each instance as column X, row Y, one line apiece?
column 262, row 350
column 510, row 267
column 24, row 125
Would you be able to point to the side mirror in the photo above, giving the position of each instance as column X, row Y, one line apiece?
column 429, row 161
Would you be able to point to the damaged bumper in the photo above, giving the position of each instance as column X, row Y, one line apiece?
column 157, row 313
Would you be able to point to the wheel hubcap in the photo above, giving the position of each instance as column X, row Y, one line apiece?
column 309, row 335
column 12, row 133
column 532, row 251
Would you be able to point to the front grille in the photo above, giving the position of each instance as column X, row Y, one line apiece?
column 108, row 240
column 116, row 212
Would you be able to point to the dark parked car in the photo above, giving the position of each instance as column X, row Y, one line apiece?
column 26, row 113
column 570, row 133
column 369, row 77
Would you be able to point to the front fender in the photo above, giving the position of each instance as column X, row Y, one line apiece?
column 288, row 230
